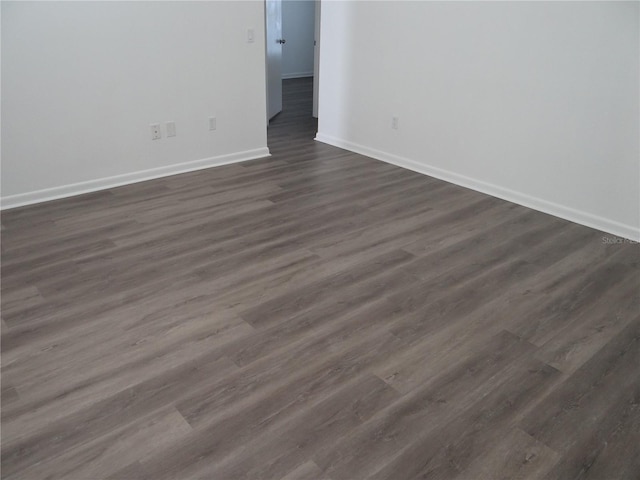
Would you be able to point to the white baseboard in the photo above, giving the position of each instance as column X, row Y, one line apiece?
column 555, row 209
column 21, row 199
column 286, row 76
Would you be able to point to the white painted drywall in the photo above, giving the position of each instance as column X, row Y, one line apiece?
column 298, row 30
column 82, row 81
column 535, row 102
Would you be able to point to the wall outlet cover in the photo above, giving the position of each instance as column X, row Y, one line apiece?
column 155, row 131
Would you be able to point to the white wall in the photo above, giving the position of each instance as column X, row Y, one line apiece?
column 298, row 30
column 82, row 81
column 535, row 102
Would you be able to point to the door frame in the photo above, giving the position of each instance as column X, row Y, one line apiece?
column 272, row 100
column 316, row 57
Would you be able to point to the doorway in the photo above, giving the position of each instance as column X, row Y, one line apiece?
column 292, row 51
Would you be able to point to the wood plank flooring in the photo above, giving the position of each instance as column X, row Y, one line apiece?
column 315, row 315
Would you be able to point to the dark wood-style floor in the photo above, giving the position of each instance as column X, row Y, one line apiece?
column 314, row 315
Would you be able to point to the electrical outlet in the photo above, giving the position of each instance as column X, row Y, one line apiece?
column 155, row 131
column 394, row 122
column 213, row 123
column 171, row 129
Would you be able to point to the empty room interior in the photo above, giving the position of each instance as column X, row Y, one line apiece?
column 320, row 240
